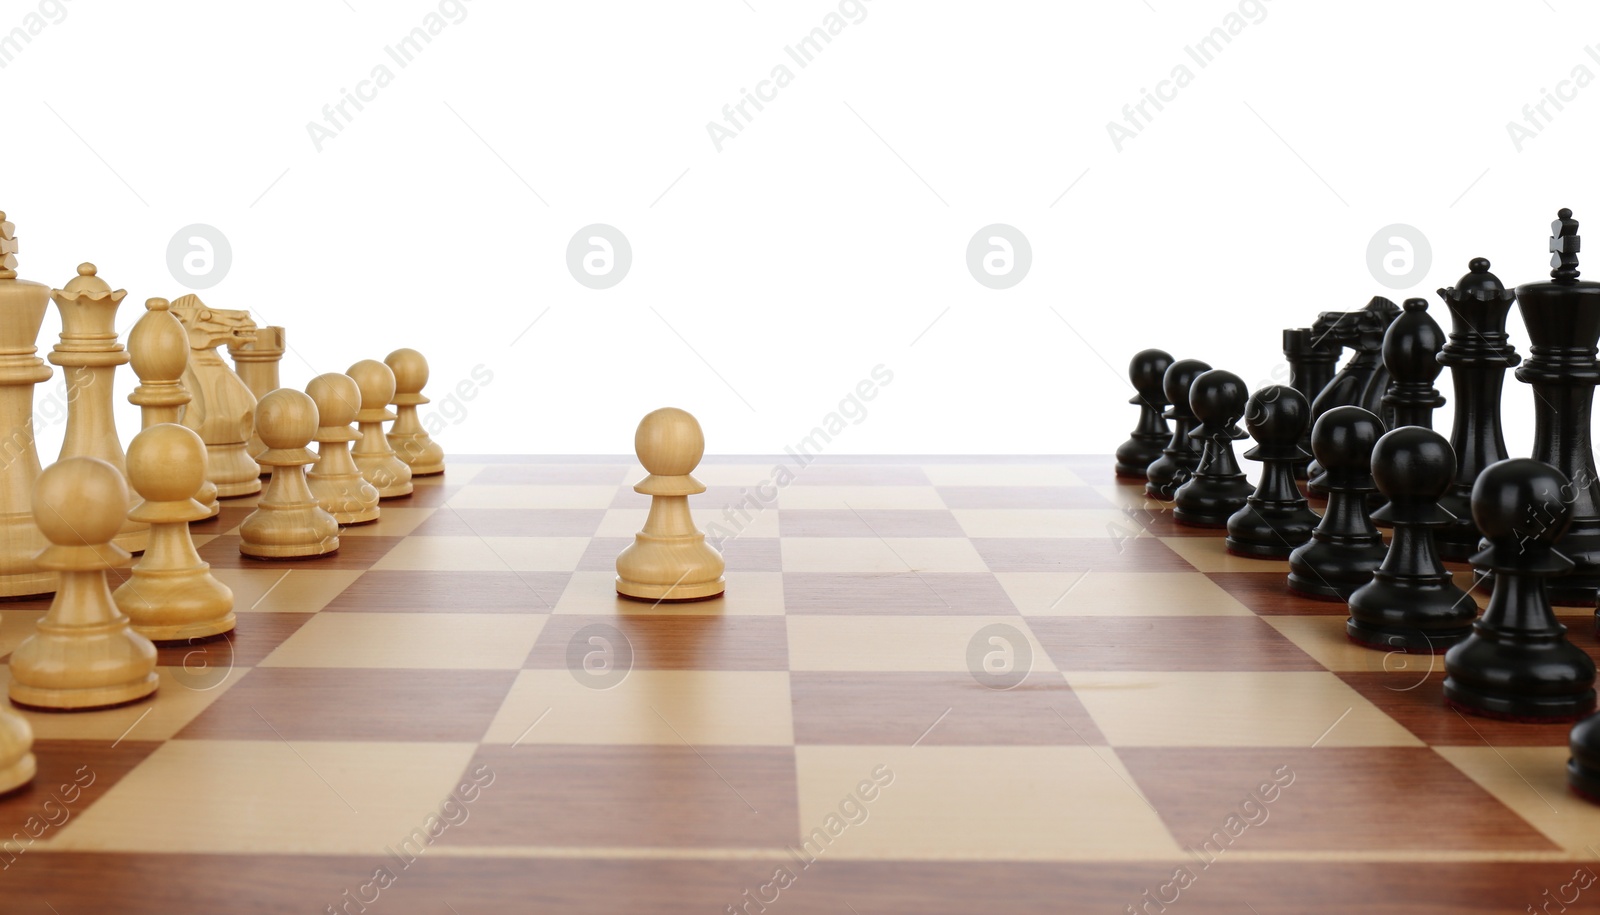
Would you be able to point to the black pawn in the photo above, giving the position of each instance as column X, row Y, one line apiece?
column 1412, row 604
column 1411, row 354
column 1517, row 664
column 1345, row 548
column 1217, row 488
column 1583, row 769
column 1276, row 518
column 1478, row 353
column 1182, row 454
column 1144, row 444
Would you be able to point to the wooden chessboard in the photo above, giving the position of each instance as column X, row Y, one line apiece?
column 941, row 685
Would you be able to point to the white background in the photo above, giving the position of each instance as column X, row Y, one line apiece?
column 826, row 238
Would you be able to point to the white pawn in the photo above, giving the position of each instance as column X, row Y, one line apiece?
column 373, row 454
column 288, row 523
column 171, row 593
column 409, row 440
column 84, row 654
column 669, row 559
column 335, row 480
column 17, row 765
column 159, row 349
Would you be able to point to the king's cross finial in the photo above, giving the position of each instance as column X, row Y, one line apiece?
column 1564, row 245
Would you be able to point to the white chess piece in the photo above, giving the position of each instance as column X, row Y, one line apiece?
column 670, row 560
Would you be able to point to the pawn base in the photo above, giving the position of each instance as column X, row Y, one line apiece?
column 1258, row 550
column 1585, row 783
column 289, row 550
column 18, row 773
column 1318, row 590
column 1526, row 711
column 85, row 698
column 671, row 593
column 187, row 632
column 1402, row 639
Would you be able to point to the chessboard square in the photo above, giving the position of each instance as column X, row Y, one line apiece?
column 1324, row 638
column 868, row 522
column 1119, row 551
column 749, row 594
column 426, row 493
column 354, row 554
column 257, row 637
column 597, row 797
column 664, row 640
column 256, row 796
column 1268, row 594
column 73, row 775
column 1245, row 709
column 180, row 697
column 462, row 641
column 932, row 644
column 1118, row 594
column 848, row 473
column 551, row 475
column 1532, row 781
column 269, row 590
column 1410, row 689
column 1210, row 554
column 485, row 554
column 1020, row 497
column 533, row 496
column 880, row 555
column 1046, row 523
column 935, row 709
column 993, row 473
column 1132, row 498
column 512, row 522
column 1341, row 799
column 956, row 593
column 845, row 498
column 1137, row 643
column 1010, row 803
column 287, row 703
column 393, row 521
column 669, row 707
column 452, row 592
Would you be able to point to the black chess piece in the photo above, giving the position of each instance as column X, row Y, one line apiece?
column 1362, row 380
column 1583, row 768
column 1276, row 518
column 1217, row 488
column 1311, row 365
column 1478, row 353
column 1345, row 548
column 1517, row 664
column 1182, row 454
column 1563, row 321
column 1144, row 444
column 1411, row 348
column 1412, row 604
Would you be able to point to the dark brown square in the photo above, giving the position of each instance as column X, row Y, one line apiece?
column 675, row 797
column 679, row 641
column 1330, row 799
column 272, row 703
column 1410, row 689
column 954, row 593
column 797, row 522
column 72, row 775
column 1268, row 594
column 932, row 709
column 205, row 662
column 1167, row 643
column 446, row 592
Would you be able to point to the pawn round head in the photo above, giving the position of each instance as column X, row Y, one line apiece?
column 1218, row 396
column 1147, row 370
column 1522, row 500
column 1344, row 437
column 80, row 501
column 338, row 398
column 376, row 381
column 1179, row 378
column 286, row 418
column 167, row 463
column 1277, row 413
column 669, row 442
column 1413, row 463
column 1411, row 344
column 410, row 370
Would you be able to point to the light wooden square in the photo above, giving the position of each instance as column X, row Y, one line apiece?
column 886, row 554
column 485, row 554
column 534, row 496
column 1047, row 523
column 1118, row 594
column 998, row 474
column 1210, row 554
column 860, row 497
column 459, row 641
column 181, row 696
column 284, row 591
column 911, row 643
